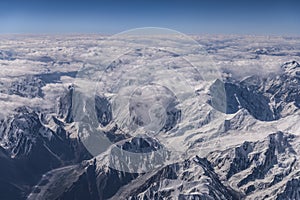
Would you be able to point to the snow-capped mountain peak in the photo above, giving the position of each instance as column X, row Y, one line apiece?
column 292, row 68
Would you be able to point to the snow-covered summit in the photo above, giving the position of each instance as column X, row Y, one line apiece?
column 236, row 138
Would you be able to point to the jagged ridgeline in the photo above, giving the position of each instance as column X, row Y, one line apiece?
column 241, row 143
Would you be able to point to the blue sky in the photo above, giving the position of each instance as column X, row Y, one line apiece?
column 188, row 16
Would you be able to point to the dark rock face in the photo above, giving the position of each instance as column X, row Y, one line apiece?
column 29, row 86
column 84, row 188
column 13, row 177
column 173, row 117
column 260, row 157
column 264, row 98
column 93, row 179
column 40, row 160
column 96, row 182
column 291, row 190
column 103, row 110
column 256, row 104
column 73, row 104
column 65, row 106
column 19, row 133
column 89, row 182
column 230, row 97
column 285, row 89
column 32, row 149
column 158, row 184
column 140, row 145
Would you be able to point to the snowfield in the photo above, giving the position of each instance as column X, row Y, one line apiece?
column 149, row 116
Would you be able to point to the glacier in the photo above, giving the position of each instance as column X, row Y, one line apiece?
column 75, row 120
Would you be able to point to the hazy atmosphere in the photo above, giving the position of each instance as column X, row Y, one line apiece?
column 189, row 16
column 149, row 100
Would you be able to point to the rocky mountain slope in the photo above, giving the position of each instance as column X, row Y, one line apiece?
column 244, row 146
